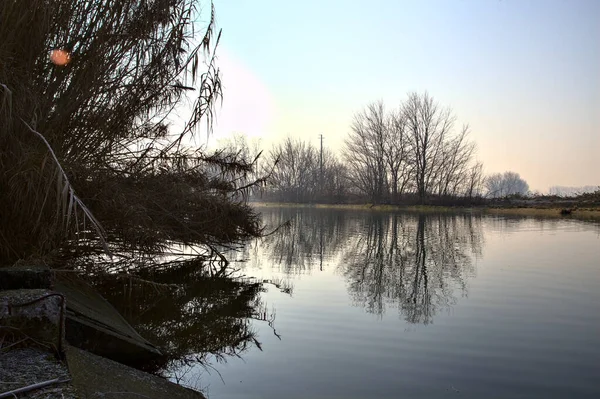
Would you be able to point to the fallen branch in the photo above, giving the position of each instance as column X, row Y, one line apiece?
column 32, row 387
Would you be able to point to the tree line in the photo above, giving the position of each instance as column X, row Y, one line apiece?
column 412, row 153
column 562, row 191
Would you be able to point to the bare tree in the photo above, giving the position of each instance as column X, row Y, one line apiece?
column 364, row 151
column 413, row 148
column 428, row 127
column 240, row 144
column 454, row 163
column 334, row 187
column 474, row 186
column 396, row 154
column 514, row 184
column 294, row 175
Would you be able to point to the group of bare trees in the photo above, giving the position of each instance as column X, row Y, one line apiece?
column 505, row 184
column 299, row 172
column 412, row 149
column 411, row 153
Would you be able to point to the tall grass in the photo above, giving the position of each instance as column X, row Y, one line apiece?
column 88, row 161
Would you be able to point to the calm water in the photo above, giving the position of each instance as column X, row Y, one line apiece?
column 396, row 305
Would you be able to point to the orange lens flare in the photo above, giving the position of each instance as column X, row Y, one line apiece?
column 60, row 57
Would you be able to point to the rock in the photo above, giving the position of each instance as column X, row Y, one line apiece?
column 37, row 315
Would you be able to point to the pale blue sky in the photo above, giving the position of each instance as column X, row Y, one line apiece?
column 524, row 74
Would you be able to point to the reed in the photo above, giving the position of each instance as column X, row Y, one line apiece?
column 90, row 162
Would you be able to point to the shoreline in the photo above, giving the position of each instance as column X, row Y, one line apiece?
column 591, row 212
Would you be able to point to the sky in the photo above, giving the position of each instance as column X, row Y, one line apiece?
column 525, row 75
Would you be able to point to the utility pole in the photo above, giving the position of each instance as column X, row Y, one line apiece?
column 321, row 195
column 321, row 166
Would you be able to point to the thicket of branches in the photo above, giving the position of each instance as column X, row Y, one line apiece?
column 87, row 156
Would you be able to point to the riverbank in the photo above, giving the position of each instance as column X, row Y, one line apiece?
column 522, row 207
column 60, row 339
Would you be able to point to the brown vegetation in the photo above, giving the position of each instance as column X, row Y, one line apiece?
column 88, row 160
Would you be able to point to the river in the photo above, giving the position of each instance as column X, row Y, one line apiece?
column 359, row 304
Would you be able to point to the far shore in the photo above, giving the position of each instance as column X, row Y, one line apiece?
column 582, row 211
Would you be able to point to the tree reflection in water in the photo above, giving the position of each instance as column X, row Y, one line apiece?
column 311, row 236
column 418, row 262
column 193, row 317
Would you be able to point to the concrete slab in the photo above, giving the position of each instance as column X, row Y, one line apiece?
column 95, row 325
column 98, row 377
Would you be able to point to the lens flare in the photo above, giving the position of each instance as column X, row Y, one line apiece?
column 60, row 57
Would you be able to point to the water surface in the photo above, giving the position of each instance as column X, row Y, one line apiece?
column 389, row 305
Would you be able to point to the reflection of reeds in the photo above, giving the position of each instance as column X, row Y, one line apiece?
column 191, row 317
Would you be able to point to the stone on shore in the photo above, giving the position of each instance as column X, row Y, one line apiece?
column 33, row 314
